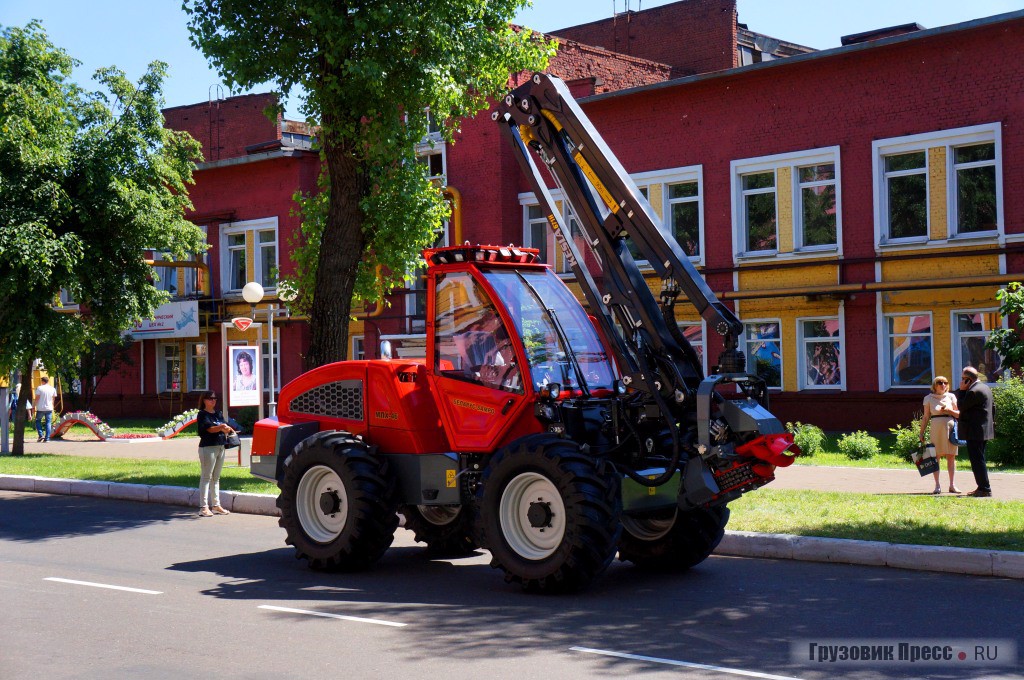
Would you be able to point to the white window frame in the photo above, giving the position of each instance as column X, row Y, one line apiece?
column 555, row 256
column 264, row 345
column 168, row 276
column 161, row 367
column 885, row 349
column 358, row 351
column 691, row 174
column 802, row 342
column 782, row 348
column 703, row 340
column 956, row 335
column 528, row 225
column 950, row 139
column 434, row 145
column 799, row 233
column 416, row 278
column 190, row 361
column 680, row 175
column 248, row 227
column 67, row 301
column 954, row 194
column 794, row 160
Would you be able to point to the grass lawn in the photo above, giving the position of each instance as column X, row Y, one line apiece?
column 128, row 470
column 833, row 458
column 919, row 520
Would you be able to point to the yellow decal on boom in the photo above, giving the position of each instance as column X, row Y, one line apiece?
column 592, row 176
column 449, row 479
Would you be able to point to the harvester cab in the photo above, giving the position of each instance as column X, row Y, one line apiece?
column 552, row 433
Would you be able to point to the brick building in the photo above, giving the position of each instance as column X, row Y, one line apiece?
column 858, row 206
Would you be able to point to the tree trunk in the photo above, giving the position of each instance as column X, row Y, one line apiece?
column 24, row 398
column 341, row 250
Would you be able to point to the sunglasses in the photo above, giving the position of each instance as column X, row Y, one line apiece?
column 211, row 398
column 941, row 382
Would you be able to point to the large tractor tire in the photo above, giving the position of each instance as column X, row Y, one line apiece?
column 446, row 529
column 672, row 540
column 337, row 503
column 548, row 514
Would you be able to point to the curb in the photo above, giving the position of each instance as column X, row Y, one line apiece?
column 998, row 563
column 235, row 501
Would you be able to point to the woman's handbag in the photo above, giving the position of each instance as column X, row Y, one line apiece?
column 925, row 460
column 954, row 434
column 232, row 441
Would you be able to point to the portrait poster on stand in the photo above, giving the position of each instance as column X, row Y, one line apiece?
column 244, row 387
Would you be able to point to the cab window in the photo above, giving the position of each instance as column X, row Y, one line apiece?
column 470, row 340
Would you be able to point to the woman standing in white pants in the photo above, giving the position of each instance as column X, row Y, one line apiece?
column 212, row 430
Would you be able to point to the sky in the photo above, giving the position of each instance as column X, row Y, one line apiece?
column 130, row 34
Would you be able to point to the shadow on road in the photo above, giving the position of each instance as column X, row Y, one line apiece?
column 460, row 608
column 36, row 517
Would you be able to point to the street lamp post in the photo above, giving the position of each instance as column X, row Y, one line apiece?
column 253, row 292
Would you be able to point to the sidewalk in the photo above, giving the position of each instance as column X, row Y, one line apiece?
column 178, row 448
column 1005, row 486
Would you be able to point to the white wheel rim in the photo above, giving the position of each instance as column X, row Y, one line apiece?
column 530, row 542
column 320, row 525
column 439, row 515
column 648, row 528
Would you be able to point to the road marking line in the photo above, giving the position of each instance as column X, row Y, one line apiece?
column 358, row 619
column 104, row 585
column 685, row 664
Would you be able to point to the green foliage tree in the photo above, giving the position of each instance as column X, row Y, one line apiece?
column 1008, row 341
column 370, row 72
column 87, row 181
column 95, row 362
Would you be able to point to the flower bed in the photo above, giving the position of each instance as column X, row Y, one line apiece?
column 89, row 420
column 177, row 424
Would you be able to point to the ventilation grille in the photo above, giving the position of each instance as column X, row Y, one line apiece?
column 342, row 399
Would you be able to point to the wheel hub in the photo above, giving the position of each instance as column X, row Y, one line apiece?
column 540, row 515
column 330, row 502
column 321, row 504
column 532, row 516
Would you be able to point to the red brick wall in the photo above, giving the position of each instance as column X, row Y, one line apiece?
column 602, row 71
column 847, row 100
column 227, row 126
column 693, row 36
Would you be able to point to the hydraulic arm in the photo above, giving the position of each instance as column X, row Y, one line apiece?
column 651, row 352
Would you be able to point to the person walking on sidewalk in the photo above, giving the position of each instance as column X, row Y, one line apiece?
column 45, row 396
column 976, row 425
column 940, row 408
column 212, row 428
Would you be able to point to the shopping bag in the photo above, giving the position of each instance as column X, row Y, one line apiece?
column 925, row 460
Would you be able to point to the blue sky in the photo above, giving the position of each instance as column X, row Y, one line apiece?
column 131, row 33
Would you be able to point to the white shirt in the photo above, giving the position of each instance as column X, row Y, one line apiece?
column 44, row 397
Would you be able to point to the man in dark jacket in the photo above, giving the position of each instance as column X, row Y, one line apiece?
column 974, row 399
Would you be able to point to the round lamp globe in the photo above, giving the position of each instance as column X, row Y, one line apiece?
column 252, row 292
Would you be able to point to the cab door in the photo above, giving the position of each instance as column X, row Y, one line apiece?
column 477, row 365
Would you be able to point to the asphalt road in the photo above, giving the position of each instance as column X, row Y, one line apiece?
column 223, row 597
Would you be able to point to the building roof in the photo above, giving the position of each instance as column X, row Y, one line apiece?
column 844, row 50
